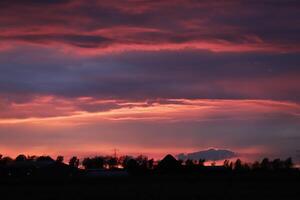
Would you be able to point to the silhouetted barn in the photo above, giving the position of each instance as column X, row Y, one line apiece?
column 168, row 164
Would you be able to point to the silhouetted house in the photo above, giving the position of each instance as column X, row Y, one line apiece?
column 168, row 164
column 57, row 170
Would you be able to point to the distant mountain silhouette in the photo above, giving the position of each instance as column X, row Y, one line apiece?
column 210, row 154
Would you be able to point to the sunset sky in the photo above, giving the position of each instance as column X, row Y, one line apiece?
column 150, row 77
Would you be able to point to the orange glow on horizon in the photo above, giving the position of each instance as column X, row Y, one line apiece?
column 197, row 109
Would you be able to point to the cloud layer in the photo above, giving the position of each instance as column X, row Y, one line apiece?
column 149, row 76
column 114, row 25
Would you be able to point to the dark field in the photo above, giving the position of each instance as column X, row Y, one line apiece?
column 156, row 188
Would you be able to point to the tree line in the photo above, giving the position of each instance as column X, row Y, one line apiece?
column 144, row 163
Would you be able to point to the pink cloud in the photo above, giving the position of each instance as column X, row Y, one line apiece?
column 146, row 26
column 50, row 109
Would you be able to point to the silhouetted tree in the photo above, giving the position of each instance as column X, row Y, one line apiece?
column 150, row 163
column 142, row 161
column 99, row 161
column 87, row 163
column 123, row 160
column 111, row 162
column 201, row 162
column 246, row 166
column 60, row 159
column 189, row 163
column 5, row 160
column 93, row 163
column 226, row 164
column 288, row 163
column 238, row 165
column 256, row 165
column 21, row 158
column 32, row 158
column 277, row 164
column 74, row 162
column 44, row 159
column 265, row 164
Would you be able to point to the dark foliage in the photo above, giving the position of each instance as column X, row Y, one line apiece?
column 74, row 162
column 45, row 166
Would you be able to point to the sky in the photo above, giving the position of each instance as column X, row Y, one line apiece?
column 150, row 77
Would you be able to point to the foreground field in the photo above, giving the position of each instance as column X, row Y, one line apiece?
column 140, row 188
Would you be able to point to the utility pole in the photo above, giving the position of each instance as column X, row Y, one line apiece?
column 115, row 152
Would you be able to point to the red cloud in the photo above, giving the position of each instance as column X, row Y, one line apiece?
column 107, row 26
